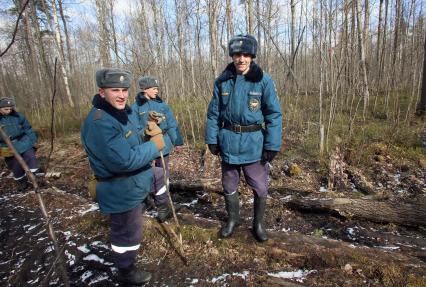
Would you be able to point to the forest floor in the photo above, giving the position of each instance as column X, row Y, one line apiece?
column 305, row 248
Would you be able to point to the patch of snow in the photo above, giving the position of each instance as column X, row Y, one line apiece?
column 67, row 235
column 49, row 249
column 33, row 281
column 285, row 229
column 222, row 277
column 99, row 244
column 86, row 275
column 193, row 281
column 299, row 275
column 71, row 243
column 286, row 198
column 388, row 247
column 396, row 177
column 323, row 189
column 94, row 257
column 83, row 248
column 99, row 278
column 71, row 257
column 92, row 207
column 192, row 203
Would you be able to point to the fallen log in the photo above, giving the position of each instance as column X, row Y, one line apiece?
column 377, row 211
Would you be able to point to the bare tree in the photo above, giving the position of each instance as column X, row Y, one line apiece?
column 421, row 106
column 101, row 14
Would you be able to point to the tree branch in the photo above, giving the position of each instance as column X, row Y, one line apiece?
column 16, row 29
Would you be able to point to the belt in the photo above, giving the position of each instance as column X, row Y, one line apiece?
column 17, row 137
column 242, row 129
column 122, row 175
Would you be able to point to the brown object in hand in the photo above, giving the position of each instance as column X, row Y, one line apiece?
column 158, row 140
column 152, row 129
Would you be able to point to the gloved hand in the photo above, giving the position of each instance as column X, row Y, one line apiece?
column 155, row 134
column 214, row 149
column 156, row 117
column 268, row 155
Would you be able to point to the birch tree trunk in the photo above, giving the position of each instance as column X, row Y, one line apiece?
column 59, row 49
column 365, row 91
column 67, row 37
column 213, row 11
column 421, row 106
column 101, row 13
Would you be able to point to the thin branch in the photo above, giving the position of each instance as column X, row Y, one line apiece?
column 16, row 29
column 52, row 120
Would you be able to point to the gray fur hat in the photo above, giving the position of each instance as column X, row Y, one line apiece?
column 245, row 44
column 113, row 78
column 7, row 102
column 147, row 82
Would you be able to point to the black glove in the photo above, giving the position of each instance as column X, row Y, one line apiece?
column 214, row 149
column 268, row 155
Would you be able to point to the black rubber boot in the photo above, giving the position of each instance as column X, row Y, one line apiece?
column 23, row 184
column 259, row 210
column 133, row 275
column 232, row 203
column 164, row 212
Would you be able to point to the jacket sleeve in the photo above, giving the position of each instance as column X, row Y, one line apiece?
column 212, row 124
column 271, row 110
column 172, row 128
column 116, row 153
column 27, row 129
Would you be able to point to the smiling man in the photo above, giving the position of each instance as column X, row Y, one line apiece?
column 244, row 125
column 120, row 160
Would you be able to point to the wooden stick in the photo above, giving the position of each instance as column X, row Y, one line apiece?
column 179, row 238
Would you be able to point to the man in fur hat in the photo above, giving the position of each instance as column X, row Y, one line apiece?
column 244, row 127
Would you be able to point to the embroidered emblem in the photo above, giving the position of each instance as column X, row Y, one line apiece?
column 128, row 134
column 121, row 79
column 254, row 104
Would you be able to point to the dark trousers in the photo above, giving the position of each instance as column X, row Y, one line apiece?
column 29, row 158
column 158, row 188
column 256, row 175
column 126, row 234
column 158, row 163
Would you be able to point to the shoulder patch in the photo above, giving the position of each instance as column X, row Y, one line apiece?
column 98, row 115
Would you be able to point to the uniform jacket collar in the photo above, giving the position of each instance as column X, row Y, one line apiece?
column 12, row 114
column 120, row 115
column 255, row 73
column 141, row 100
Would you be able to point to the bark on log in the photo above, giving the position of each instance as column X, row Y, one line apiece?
column 377, row 211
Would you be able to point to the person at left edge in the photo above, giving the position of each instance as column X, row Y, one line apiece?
column 121, row 163
column 23, row 139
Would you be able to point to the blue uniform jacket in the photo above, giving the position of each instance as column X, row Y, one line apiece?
column 19, row 130
column 244, row 100
column 118, row 157
column 141, row 108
